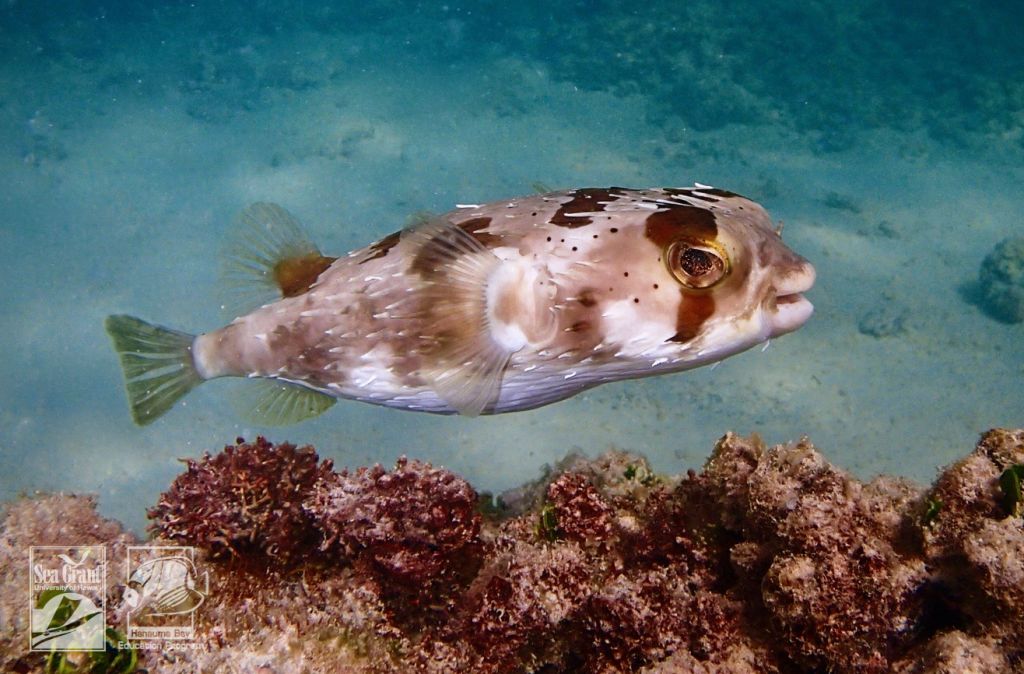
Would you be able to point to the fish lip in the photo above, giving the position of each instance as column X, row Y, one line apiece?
column 789, row 309
column 799, row 280
column 790, row 312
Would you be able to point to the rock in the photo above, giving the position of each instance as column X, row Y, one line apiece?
column 1001, row 281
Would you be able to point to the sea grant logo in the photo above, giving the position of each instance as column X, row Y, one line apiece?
column 162, row 592
column 67, row 596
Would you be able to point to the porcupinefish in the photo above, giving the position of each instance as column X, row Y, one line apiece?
column 488, row 308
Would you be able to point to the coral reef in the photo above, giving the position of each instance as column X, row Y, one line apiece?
column 770, row 559
column 1001, row 281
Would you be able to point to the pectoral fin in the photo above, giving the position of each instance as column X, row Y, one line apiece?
column 462, row 360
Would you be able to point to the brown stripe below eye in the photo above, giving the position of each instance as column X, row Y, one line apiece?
column 589, row 200
column 694, row 310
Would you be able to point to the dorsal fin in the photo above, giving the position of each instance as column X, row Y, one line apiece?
column 267, row 256
column 418, row 218
column 463, row 363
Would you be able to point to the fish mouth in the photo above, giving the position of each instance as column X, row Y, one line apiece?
column 790, row 309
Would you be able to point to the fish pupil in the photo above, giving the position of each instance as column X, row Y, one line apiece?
column 697, row 262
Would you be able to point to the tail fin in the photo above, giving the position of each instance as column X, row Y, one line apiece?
column 157, row 364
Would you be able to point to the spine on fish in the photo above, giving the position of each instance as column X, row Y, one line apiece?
column 157, row 363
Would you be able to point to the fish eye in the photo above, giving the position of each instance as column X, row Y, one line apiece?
column 697, row 266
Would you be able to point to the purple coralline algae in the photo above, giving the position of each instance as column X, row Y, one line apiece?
column 770, row 559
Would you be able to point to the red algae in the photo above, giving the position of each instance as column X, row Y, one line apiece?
column 577, row 510
column 770, row 559
column 245, row 503
column 414, row 530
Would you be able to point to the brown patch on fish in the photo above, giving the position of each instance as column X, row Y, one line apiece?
column 681, row 221
column 591, row 200
column 693, row 311
column 381, row 248
column 764, row 253
column 296, row 275
column 473, row 227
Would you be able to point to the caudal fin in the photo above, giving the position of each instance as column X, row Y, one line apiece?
column 157, row 364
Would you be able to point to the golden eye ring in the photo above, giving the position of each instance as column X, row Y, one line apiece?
column 697, row 266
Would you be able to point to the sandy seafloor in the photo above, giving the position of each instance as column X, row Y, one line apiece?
column 129, row 141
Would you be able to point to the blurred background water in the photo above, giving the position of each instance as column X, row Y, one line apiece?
column 887, row 136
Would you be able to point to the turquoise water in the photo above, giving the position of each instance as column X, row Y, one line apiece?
column 889, row 141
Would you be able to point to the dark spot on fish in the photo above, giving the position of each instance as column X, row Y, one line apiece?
column 694, row 310
column 381, row 248
column 574, row 249
column 625, row 273
column 636, row 300
column 474, row 226
column 296, row 275
column 614, row 230
column 656, row 285
column 588, row 200
column 680, row 221
column 549, row 238
column 587, row 298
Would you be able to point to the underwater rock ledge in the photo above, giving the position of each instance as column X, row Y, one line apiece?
column 768, row 560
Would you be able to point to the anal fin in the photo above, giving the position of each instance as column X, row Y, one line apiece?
column 273, row 402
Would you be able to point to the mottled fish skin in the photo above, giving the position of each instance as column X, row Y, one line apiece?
column 581, row 293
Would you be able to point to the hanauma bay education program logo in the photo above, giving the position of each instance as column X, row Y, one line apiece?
column 67, row 596
column 163, row 591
